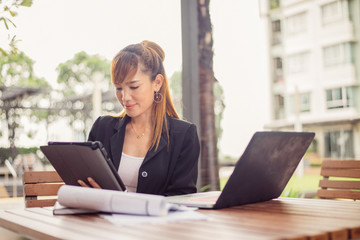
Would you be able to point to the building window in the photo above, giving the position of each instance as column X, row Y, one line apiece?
column 331, row 12
column 305, row 102
column 296, row 24
column 338, row 54
column 340, row 97
column 276, row 32
column 278, row 70
column 297, row 63
column 339, row 144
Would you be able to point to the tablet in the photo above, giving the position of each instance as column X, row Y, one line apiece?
column 79, row 160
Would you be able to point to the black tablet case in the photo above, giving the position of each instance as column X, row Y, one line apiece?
column 79, row 160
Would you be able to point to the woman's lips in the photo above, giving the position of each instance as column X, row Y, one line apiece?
column 129, row 106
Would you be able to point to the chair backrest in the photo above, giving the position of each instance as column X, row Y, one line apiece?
column 41, row 187
column 346, row 183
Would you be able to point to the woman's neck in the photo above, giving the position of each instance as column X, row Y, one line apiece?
column 141, row 123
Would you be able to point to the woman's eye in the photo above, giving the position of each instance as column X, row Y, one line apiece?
column 119, row 89
column 133, row 88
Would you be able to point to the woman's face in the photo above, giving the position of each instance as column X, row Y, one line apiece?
column 136, row 94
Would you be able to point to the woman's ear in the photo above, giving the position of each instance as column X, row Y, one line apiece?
column 158, row 82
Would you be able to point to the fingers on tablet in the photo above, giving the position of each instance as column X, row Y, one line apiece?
column 93, row 183
column 82, row 183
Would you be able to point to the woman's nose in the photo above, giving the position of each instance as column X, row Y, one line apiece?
column 125, row 95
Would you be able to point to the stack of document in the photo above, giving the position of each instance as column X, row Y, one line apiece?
column 75, row 199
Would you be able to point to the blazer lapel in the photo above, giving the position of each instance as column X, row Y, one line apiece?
column 151, row 153
column 117, row 141
column 163, row 143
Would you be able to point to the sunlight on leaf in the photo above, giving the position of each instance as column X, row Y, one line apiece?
column 12, row 13
column 204, row 188
column 3, row 52
column 4, row 20
column 26, row 3
column 11, row 22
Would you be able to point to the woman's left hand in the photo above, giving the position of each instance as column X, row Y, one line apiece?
column 92, row 182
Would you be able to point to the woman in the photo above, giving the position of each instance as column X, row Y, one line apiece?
column 152, row 149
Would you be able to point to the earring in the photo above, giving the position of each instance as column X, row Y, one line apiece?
column 158, row 97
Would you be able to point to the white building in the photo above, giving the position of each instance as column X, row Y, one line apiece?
column 314, row 55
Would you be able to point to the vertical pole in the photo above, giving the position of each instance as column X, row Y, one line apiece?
column 298, row 128
column 190, row 66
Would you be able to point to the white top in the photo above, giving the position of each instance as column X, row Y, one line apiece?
column 129, row 171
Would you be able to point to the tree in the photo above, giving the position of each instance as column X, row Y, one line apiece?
column 209, row 152
column 7, row 13
column 17, row 83
column 17, row 70
column 79, row 74
column 219, row 105
column 80, row 78
column 176, row 91
column 198, row 86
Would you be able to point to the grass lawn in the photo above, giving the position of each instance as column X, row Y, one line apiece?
column 301, row 184
column 308, row 182
column 297, row 186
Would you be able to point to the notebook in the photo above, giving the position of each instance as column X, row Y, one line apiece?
column 79, row 160
column 260, row 174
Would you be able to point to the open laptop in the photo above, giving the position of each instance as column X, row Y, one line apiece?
column 260, row 174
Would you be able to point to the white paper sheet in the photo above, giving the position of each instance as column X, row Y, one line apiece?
column 128, row 220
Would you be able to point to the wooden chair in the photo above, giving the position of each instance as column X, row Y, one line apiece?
column 40, row 188
column 348, row 188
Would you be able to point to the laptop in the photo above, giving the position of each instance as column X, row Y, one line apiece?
column 260, row 174
column 79, row 160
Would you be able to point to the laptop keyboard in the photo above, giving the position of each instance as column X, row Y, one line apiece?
column 193, row 198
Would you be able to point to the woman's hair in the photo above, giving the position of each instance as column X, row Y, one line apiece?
column 149, row 57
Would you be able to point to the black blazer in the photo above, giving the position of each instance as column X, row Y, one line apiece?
column 171, row 170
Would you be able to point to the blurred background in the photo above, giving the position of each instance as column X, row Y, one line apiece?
column 288, row 65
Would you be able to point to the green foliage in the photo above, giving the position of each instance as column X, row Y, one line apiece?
column 274, row 4
column 37, row 115
column 26, row 3
column 5, row 153
column 295, row 187
column 298, row 186
column 7, row 13
column 17, row 70
column 176, row 92
column 223, row 182
column 228, row 160
column 304, row 183
column 219, row 105
column 77, row 74
column 313, row 146
column 205, row 188
column 291, row 193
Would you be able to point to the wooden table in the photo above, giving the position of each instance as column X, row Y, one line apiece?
column 283, row 218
